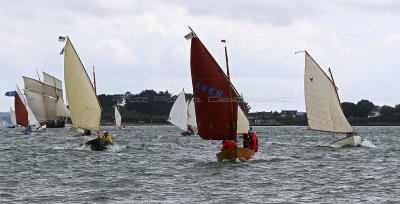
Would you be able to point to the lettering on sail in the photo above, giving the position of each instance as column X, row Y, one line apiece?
column 210, row 91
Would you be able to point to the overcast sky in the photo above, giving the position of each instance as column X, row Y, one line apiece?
column 136, row 45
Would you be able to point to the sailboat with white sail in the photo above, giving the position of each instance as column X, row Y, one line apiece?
column 118, row 118
column 182, row 114
column 83, row 102
column 12, row 117
column 324, row 111
column 218, row 114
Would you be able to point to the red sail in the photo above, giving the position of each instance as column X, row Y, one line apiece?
column 21, row 115
column 211, row 91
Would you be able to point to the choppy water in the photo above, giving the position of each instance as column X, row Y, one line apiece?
column 156, row 164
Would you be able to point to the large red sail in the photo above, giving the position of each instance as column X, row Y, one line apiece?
column 211, row 91
column 21, row 114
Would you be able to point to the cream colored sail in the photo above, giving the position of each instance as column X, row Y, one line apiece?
column 42, row 88
column 117, row 117
column 191, row 114
column 37, row 105
column 178, row 113
column 12, row 116
column 61, row 109
column 243, row 124
column 52, row 81
column 324, row 111
column 50, row 104
column 83, row 103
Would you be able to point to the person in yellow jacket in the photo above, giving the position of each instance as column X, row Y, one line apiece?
column 106, row 136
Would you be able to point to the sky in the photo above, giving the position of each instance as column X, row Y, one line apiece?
column 137, row 45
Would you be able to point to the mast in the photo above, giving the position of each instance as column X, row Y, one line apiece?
column 94, row 81
column 333, row 81
column 230, row 97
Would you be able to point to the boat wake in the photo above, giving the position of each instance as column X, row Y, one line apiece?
column 367, row 143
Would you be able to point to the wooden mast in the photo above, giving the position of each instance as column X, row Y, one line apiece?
column 94, row 81
column 230, row 97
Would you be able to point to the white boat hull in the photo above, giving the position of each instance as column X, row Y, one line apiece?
column 353, row 141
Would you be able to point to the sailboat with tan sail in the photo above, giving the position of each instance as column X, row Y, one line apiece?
column 82, row 99
column 324, row 111
column 218, row 114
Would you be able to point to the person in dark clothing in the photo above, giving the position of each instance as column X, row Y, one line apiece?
column 87, row 133
column 246, row 141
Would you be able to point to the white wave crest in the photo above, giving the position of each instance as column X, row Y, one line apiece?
column 367, row 143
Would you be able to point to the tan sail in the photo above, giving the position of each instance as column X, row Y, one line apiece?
column 42, row 88
column 37, row 104
column 52, row 81
column 83, row 103
column 324, row 111
column 51, row 108
column 61, row 109
column 243, row 124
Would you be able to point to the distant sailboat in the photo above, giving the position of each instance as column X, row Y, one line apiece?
column 180, row 114
column 118, row 117
column 23, row 114
column 324, row 111
column 218, row 114
column 13, row 120
column 83, row 103
column 46, row 100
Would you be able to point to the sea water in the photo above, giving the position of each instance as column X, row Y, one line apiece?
column 157, row 164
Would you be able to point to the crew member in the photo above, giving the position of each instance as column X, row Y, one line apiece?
column 228, row 144
column 87, row 133
column 106, row 136
column 253, row 140
column 190, row 129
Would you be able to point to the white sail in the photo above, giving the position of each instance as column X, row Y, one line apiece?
column 117, row 117
column 36, row 103
column 243, row 124
column 52, row 81
column 324, row 111
column 51, row 104
column 191, row 114
column 31, row 116
column 179, row 111
column 12, row 116
column 83, row 103
column 61, row 109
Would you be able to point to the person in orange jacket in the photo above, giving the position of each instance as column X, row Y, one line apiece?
column 253, row 140
column 228, row 144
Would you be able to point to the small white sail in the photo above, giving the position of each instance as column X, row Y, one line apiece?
column 324, row 111
column 31, row 116
column 12, row 116
column 36, row 103
column 117, row 117
column 83, row 103
column 243, row 124
column 179, row 111
column 61, row 109
column 191, row 114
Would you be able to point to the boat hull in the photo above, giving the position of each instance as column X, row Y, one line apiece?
column 352, row 141
column 230, row 154
column 98, row 144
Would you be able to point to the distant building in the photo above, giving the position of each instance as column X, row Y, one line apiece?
column 375, row 112
column 288, row 112
column 301, row 113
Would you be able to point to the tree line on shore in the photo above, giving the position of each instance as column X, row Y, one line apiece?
column 151, row 106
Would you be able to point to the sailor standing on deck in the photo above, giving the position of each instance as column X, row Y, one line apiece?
column 253, row 141
column 228, row 144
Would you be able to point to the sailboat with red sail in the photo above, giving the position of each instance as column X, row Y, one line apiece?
column 21, row 113
column 218, row 114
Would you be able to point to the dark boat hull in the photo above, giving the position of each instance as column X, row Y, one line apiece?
column 55, row 124
column 230, row 154
column 98, row 144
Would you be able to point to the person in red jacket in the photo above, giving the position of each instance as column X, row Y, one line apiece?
column 228, row 144
column 253, row 140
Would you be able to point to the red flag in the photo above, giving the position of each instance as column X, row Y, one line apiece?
column 224, row 41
